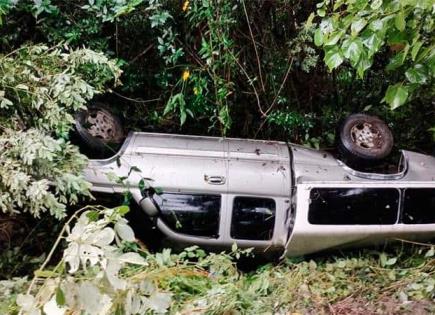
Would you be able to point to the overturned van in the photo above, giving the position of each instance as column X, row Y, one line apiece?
column 273, row 196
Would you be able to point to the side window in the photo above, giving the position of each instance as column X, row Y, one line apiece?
column 193, row 214
column 353, row 206
column 419, row 206
column 253, row 218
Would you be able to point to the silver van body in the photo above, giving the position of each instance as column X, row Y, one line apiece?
column 287, row 174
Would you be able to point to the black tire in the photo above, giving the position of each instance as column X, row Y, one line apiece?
column 364, row 139
column 98, row 131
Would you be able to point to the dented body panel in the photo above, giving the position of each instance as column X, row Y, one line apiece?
column 274, row 174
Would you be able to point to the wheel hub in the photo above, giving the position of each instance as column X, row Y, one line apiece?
column 101, row 125
column 366, row 136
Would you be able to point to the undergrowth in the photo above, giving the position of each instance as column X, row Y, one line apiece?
column 396, row 280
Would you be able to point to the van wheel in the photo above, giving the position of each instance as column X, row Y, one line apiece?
column 99, row 131
column 364, row 139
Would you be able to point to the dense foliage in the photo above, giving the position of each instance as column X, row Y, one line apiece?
column 357, row 30
column 251, row 68
column 40, row 90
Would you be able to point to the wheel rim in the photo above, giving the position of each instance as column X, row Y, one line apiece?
column 366, row 136
column 101, row 124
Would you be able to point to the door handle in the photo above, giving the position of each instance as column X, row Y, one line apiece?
column 214, row 180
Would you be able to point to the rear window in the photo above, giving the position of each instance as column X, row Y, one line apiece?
column 419, row 206
column 193, row 214
column 358, row 206
column 253, row 218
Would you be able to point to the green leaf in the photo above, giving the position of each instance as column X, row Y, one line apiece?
column 417, row 74
column 326, row 26
column 45, row 274
column 309, row 21
column 141, row 184
column 121, row 179
column 22, row 87
column 397, row 60
column 133, row 169
column 333, row 58
column 177, row 99
column 333, row 38
column 183, row 117
column 119, row 310
column 396, row 37
column 321, row 12
column 377, row 25
column 430, row 63
column 318, row 37
column 399, row 21
column 430, row 252
column 60, row 297
column 415, row 49
column 352, row 49
column 341, row 264
column 432, row 130
column 168, row 108
column 363, row 64
column 357, row 26
column 92, row 215
column 382, row 259
column 123, row 210
column 391, row 261
column 346, row 21
column 127, row 198
column 376, row 4
column 189, row 112
column 396, row 95
column 373, row 42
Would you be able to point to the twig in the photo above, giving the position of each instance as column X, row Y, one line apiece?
column 141, row 54
column 26, row 238
column 192, row 54
column 13, row 52
column 136, row 100
column 261, row 127
column 247, row 37
column 281, row 86
column 276, row 97
column 56, row 243
column 416, row 243
column 250, row 82
column 116, row 39
column 255, row 46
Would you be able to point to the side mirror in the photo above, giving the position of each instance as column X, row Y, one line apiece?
column 148, row 204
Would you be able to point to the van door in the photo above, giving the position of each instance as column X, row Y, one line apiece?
column 192, row 174
column 259, row 184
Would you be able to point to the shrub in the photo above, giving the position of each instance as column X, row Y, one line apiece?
column 40, row 90
column 355, row 31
